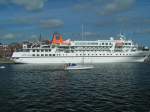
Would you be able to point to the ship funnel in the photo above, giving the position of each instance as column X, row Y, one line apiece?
column 57, row 39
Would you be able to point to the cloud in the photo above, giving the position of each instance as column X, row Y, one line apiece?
column 3, row 1
column 31, row 5
column 8, row 36
column 17, row 21
column 117, row 6
column 105, row 7
column 130, row 21
column 90, row 34
column 51, row 23
column 83, row 7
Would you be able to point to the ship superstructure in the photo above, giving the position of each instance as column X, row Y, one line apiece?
column 67, row 51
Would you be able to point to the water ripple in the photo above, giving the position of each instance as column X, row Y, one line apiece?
column 108, row 87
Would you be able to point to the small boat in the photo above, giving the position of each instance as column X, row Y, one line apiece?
column 72, row 66
column 2, row 67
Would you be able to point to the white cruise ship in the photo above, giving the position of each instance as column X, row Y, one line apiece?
column 59, row 51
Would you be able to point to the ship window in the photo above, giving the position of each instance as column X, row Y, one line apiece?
column 42, row 54
column 46, row 54
column 38, row 55
column 49, row 50
column 46, row 50
column 106, row 43
column 53, row 54
column 49, row 54
column 42, row 50
column 33, row 50
column 33, row 54
column 37, row 50
column 102, row 43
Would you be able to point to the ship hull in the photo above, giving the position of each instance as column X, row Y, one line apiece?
column 62, row 60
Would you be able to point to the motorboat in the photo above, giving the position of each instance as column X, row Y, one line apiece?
column 73, row 66
column 2, row 67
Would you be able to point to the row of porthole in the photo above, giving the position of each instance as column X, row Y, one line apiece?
column 78, row 54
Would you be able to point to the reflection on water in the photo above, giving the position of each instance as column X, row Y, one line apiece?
column 45, row 88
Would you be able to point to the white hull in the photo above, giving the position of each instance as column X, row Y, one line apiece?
column 62, row 60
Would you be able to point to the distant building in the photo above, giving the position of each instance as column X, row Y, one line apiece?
column 5, row 50
column 3, row 45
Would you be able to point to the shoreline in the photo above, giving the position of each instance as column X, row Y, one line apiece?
column 6, row 61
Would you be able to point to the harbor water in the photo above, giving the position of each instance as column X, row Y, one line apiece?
column 110, row 87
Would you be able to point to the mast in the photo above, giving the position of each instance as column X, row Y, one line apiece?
column 40, row 38
column 83, row 47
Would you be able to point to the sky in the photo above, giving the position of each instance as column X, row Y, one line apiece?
column 22, row 20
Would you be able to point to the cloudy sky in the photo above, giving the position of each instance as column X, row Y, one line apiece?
column 26, row 19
